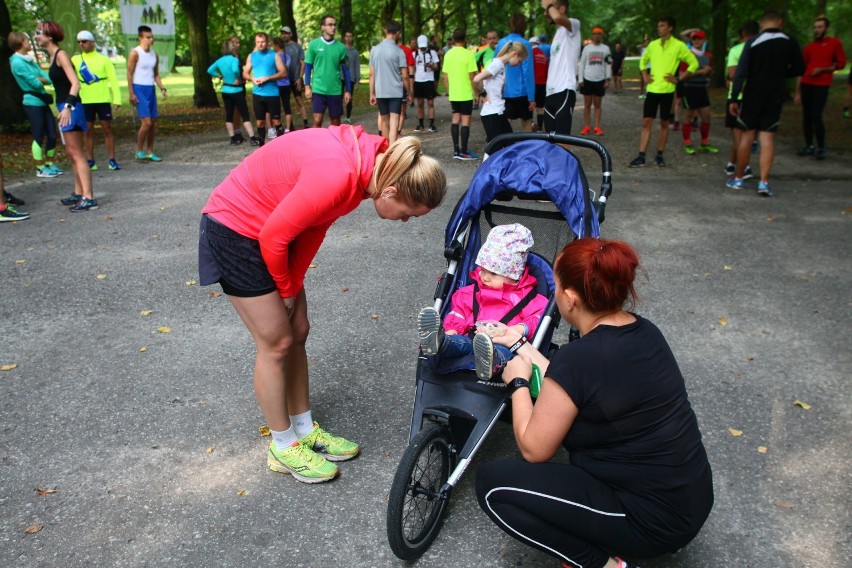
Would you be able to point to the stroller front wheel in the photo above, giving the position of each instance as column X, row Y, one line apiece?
column 417, row 501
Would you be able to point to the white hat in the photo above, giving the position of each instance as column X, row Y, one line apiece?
column 422, row 41
column 286, row 30
column 505, row 250
column 534, row 40
column 85, row 35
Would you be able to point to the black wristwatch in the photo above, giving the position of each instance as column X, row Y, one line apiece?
column 517, row 383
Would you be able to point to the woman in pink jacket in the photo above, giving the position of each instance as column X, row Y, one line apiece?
column 260, row 230
column 502, row 287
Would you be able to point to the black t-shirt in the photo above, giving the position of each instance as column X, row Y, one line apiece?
column 636, row 431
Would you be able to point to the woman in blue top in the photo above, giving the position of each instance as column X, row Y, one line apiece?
column 229, row 69
column 31, row 79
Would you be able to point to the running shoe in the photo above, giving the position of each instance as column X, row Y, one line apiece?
column 642, row 96
column 11, row 199
column 113, row 165
column 154, row 157
column 586, row 130
column 598, row 131
column 93, row 166
column 71, row 199
column 755, row 147
column 84, row 205
column 432, row 128
column 806, row 151
column 419, row 128
column 55, row 169
column 689, row 150
column 708, row 148
column 764, row 190
column 735, row 183
column 455, row 154
column 140, row 155
column 271, row 134
column 302, row 463
column 820, row 154
column 347, row 120
column 12, row 214
column 255, row 141
column 331, row 447
column 483, row 356
column 660, row 161
column 429, row 330
column 730, row 169
column 638, row 162
column 748, row 174
column 235, row 141
column 467, row 156
column 45, row 172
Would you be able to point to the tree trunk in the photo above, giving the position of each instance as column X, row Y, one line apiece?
column 719, row 40
column 285, row 10
column 11, row 97
column 386, row 14
column 346, row 24
column 196, row 12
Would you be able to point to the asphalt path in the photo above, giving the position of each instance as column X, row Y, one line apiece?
column 151, row 443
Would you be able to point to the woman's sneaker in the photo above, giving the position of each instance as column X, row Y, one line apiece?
column 55, row 169
column 113, row 165
column 302, row 463
column 84, row 205
column 11, row 214
column 331, row 447
column 72, row 199
column 45, row 172
column 483, row 356
column 429, row 330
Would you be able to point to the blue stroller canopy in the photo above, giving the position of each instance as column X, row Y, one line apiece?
column 533, row 168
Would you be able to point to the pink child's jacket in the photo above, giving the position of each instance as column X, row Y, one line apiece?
column 494, row 304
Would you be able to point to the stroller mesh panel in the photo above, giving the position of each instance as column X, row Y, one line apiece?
column 547, row 225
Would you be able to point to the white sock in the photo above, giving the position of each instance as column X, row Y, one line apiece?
column 284, row 439
column 302, row 423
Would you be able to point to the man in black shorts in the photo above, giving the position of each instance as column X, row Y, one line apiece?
column 426, row 66
column 766, row 63
column 263, row 68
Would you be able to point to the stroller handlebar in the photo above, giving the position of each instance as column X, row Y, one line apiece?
column 504, row 140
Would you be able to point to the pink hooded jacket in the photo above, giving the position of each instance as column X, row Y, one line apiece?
column 494, row 304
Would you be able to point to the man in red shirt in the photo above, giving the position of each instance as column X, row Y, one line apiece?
column 540, row 64
column 822, row 56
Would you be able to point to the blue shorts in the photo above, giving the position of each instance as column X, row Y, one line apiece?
column 78, row 119
column 334, row 104
column 146, row 107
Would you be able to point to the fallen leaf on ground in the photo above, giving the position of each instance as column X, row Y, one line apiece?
column 802, row 405
column 312, row 362
column 264, row 430
column 100, row 276
column 750, row 358
column 20, row 261
column 34, row 528
column 783, row 504
column 770, row 218
column 9, row 367
column 44, row 491
column 108, row 217
column 312, row 266
column 241, row 492
column 215, row 294
column 191, row 282
column 762, row 449
column 143, row 350
column 346, row 289
column 723, row 321
column 164, row 329
column 727, row 267
column 209, row 450
column 146, row 313
column 374, row 316
column 734, row 432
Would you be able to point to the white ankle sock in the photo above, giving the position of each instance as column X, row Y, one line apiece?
column 284, row 439
column 302, row 423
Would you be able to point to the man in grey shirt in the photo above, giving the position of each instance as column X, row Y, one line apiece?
column 354, row 70
column 388, row 73
column 296, row 70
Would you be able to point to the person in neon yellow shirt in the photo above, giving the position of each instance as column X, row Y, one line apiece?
column 98, row 88
column 665, row 55
column 459, row 68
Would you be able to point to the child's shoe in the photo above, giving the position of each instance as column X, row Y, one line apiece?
column 429, row 330
column 483, row 355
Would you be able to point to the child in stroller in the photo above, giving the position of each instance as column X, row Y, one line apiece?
column 503, row 289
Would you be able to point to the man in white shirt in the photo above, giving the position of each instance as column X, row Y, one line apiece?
column 562, row 73
column 595, row 73
column 426, row 62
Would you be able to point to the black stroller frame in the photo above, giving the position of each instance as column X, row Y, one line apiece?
column 454, row 413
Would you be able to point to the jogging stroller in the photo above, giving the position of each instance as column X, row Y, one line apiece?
column 528, row 179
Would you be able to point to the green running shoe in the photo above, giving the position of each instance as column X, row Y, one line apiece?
column 154, row 157
column 709, row 149
column 305, row 465
column 689, row 150
column 329, row 446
